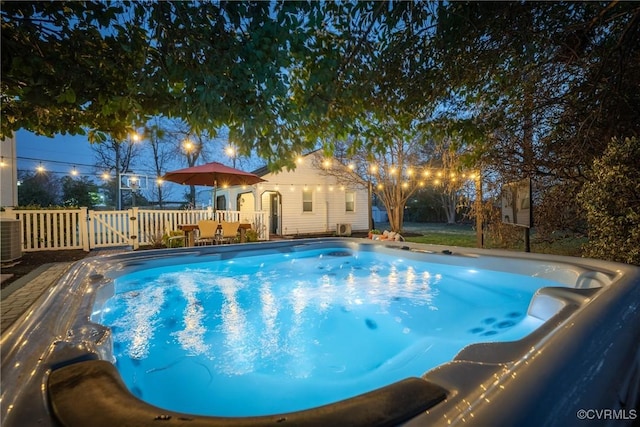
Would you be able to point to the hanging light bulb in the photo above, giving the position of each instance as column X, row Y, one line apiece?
column 40, row 168
column 74, row 171
column 2, row 162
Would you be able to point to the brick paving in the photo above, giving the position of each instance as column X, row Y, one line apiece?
column 24, row 292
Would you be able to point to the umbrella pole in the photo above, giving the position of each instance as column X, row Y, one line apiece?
column 214, row 202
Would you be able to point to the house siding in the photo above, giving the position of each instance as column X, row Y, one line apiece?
column 329, row 203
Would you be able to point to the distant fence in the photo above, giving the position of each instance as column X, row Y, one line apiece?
column 60, row 229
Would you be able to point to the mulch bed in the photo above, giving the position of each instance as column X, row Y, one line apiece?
column 32, row 260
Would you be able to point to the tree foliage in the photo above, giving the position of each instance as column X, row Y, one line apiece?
column 38, row 188
column 611, row 200
column 79, row 192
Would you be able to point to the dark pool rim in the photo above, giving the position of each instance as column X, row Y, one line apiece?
column 92, row 393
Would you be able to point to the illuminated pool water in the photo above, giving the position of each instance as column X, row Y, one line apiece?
column 278, row 333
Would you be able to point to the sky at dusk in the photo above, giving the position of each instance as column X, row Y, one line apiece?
column 59, row 154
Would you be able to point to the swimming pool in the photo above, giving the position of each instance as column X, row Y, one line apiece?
column 438, row 338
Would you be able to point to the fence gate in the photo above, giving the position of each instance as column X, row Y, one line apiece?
column 112, row 228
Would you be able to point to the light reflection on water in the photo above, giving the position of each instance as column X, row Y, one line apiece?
column 292, row 333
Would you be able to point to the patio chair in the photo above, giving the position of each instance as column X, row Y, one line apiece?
column 207, row 231
column 229, row 232
column 173, row 235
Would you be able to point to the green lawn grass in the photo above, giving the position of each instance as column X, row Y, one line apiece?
column 465, row 236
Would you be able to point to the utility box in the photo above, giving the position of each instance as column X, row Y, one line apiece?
column 10, row 244
column 343, row 230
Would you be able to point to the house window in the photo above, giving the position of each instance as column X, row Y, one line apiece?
column 221, row 203
column 350, row 201
column 307, row 201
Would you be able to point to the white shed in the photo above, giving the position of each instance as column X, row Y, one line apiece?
column 303, row 201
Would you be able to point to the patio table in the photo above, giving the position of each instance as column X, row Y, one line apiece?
column 189, row 230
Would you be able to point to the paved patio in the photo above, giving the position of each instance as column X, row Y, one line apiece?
column 19, row 296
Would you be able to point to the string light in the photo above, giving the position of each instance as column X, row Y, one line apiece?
column 2, row 162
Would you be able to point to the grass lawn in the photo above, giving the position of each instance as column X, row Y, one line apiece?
column 465, row 235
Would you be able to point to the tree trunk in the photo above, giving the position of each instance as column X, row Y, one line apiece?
column 449, row 200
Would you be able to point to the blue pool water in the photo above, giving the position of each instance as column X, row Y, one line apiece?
column 277, row 333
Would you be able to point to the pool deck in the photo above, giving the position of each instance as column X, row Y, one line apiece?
column 24, row 292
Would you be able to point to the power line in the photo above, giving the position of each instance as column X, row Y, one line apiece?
column 54, row 161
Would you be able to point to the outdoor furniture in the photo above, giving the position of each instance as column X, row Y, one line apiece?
column 189, row 231
column 207, row 229
column 243, row 229
column 228, row 232
column 172, row 236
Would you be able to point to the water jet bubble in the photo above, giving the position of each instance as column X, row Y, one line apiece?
column 476, row 330
column 489, row 333
column 489, row 320
column 514, row 314
column 371, row 324
column 505, row 324
column 136, row 392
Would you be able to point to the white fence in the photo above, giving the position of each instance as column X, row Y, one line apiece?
column 59, row 229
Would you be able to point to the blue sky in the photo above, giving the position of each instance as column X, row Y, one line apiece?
column 57, row 154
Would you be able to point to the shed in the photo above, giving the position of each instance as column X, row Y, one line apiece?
column 303, row 201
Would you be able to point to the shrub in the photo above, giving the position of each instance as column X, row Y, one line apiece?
column 251, row 235
column 611, row 200
column 557, row 215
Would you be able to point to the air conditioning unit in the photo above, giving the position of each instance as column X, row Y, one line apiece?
column 10, row 245
column 343, row 230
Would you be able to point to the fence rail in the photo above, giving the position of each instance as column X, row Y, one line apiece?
column 61, row 229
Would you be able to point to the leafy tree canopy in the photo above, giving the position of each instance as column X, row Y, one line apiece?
column 563, row 77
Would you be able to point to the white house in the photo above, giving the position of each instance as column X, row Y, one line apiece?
column 8, row 173
column 303, row 201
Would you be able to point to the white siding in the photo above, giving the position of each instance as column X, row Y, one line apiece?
column 329, row 207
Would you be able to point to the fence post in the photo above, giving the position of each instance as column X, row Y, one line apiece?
column 134, row 229
column 84, row 228
column 8, row 213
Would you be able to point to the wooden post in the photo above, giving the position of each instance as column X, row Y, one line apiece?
column 83, row 219
column 479, row 213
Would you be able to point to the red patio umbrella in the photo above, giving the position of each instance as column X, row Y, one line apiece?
column 212, row 174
